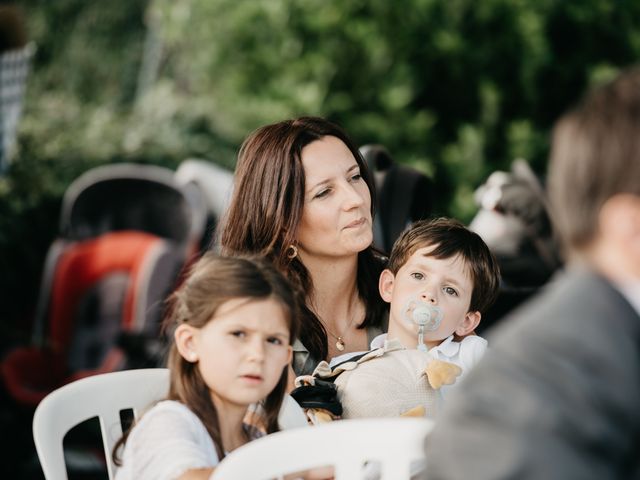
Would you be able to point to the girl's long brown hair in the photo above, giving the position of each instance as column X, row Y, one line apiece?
column 266, row 209
column 212, row 281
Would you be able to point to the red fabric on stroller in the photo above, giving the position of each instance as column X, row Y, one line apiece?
column 126, row 233
column 31, row 373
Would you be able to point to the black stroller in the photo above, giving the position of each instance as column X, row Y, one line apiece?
column 126, row 233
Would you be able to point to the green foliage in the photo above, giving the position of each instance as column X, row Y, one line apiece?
column 456, row 88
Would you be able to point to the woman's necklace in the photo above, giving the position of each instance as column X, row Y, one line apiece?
column 339, row 338
column 340, row 343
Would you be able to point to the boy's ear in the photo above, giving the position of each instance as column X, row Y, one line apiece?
column 385, row 285
column 469, row 324
column 184, row 337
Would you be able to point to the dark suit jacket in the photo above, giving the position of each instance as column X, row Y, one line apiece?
column 557, row 395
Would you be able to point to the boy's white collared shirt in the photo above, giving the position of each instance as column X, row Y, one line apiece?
column 465, row 354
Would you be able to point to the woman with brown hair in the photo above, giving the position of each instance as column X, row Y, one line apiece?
column 303, row 199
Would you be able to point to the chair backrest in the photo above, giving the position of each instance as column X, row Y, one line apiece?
column 291, row 414
column 214, row 181
column 105, row 396
column 393, row 443
column 215, row 185
column 129, row 196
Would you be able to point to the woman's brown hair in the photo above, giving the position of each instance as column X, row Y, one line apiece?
column 267, row 206
column 211, row 282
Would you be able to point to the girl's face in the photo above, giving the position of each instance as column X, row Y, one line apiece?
column 241, row 352
column 336, row 217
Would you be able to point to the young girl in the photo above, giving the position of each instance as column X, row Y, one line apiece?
column 234, row 321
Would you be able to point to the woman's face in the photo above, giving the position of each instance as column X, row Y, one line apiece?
column 336, row 217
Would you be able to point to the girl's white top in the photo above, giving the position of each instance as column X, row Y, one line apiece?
column 168, row 440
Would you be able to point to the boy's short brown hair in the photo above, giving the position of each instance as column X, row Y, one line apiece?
column 595, row 155
column 452, row 238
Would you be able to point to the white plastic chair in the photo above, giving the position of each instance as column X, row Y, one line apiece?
column 291, row 414
column 346, row 444
column 214, row 182
column 104, row 396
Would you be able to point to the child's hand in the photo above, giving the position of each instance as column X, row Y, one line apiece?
column 318, row 416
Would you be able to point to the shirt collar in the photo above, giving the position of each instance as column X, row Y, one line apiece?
column 447, row 347
column 631, row 292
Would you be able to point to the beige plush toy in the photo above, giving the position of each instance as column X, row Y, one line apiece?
column 387, row 382
column 441, row 373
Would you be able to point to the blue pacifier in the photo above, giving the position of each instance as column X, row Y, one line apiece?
column 427, row 316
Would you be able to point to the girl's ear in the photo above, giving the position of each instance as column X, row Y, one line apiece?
column 385, row 285
column 184, row 337
column 469, row 324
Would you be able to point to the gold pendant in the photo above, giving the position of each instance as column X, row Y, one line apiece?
column 340, row 344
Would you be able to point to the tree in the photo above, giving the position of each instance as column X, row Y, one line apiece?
column 456, row 88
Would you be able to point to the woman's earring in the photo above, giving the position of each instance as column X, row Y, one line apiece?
column 292, row 252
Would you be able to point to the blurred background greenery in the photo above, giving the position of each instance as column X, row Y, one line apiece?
column 455, row 88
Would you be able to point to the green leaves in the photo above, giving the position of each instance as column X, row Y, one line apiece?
column 456, row 88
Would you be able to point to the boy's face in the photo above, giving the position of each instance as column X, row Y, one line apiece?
column 444, row 283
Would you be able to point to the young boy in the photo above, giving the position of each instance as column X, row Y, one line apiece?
column 442, row 264
column 440, row 278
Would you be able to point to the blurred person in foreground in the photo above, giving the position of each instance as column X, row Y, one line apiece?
column 558, row 394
